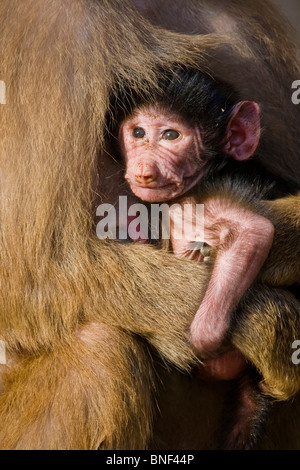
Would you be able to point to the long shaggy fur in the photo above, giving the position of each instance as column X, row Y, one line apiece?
column 72, row 308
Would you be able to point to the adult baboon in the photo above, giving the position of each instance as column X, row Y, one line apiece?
column 84, row 321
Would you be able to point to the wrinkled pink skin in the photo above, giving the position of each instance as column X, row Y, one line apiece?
column 159, row 170
column 228, row 366
column 243, row 240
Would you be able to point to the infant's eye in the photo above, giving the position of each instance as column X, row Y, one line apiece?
column 170, row 134
column 138, row 133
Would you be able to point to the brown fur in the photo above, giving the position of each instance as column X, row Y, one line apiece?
column 268, row 308
column 269, row 313
column 74, row 309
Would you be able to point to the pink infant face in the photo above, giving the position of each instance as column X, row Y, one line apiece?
column 162, row 154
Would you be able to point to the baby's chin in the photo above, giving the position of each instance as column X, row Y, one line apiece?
column 156, row 195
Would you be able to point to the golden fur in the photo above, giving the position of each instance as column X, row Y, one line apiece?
column 81, row 318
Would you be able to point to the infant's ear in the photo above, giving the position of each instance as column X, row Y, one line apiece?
column 243, row 131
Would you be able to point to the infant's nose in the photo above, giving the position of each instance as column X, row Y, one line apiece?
column 145, row 174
